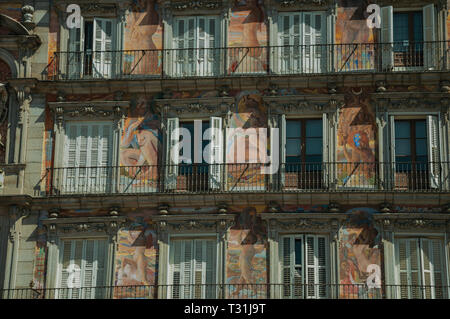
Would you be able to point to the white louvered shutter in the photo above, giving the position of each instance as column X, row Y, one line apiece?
column 387, row 38
column 409, row 268
column 208, row 38
column 185, row 43
column 316, row 263
column 292, row 267
column 316, row 37
column 433, row 151
column 429, row 36
column 290, row 41
column 193, row 269
column 172, row 153
column 87, row 157
column 75, row 57
column 82, row 269
column 103, row 47
column 216, row 152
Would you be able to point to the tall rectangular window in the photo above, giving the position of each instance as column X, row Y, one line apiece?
column 192, row 269
column 82, row 269
column 421, row 268
column 87, row 157
column 195, row 43
column 305, row 268
column 302, row 38
column 408, row 39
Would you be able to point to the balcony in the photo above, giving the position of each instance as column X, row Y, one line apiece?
column 231, row 178
column 234, row 291
column 249, row 61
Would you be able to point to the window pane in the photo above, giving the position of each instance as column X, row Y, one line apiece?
column 402, row 129
column 298, row 251
column 421, row 147
column 418, row 26
column 314, row 146
column 293, row 147
column 314, row 128
column 403, row 147
column 314, row 159
column 401, row 28
column 293, row 129
column 421, row 129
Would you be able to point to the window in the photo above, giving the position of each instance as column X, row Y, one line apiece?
column 87, row 157
column 192, row 269
column 91, row 49
column 304, row 149
column 415, row 152
column 194, row 176
column 195, row 41
column 420, row 268
column 407, row 38
column 304, row 266
column 82, row 269
column 302, row 39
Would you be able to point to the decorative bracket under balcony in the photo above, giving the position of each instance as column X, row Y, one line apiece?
column 88, row 110
column 195, row 107
column 305, row 104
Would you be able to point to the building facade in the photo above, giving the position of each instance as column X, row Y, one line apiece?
column 318, row 165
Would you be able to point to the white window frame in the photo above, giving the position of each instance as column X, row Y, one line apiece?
column 83, row 293
column 430, row 23
column 217, row 259
column 99, row 173
column 391, row 117
column 444, row 260
column 328, row 269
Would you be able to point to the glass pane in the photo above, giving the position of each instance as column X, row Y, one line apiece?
column 314, row 159
column 403, row 147
column 402, row 129
column 293, row 129
column 314, row 128
column 313, row 146
column 401, row 27
column 293, row 147
column 298, row 251
column 421, row 129
column 418, row 26
column 421, row 147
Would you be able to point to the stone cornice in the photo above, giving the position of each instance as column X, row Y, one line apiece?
column 195, row 107
column 99, row 8
column 194, row 222
column 413, row 222
column 88, row 109
column 304, row 104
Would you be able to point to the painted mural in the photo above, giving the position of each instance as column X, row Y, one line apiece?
column 247, row 35
column 356, row 141
column 250, row 112
column 53, row 42
column 143, row 31
column 12, row 9
column 246, row 255
column 5, row 73
column 139, row 148
column 360, row 246
column 352, row 29
column 136, row 261
column 40, row 253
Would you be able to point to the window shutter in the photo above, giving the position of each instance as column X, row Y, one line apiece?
column 76, row 54
column 210, row 278
column 429, row 36
column 216, row 154
column 288, row 269
column 316, row 266
column 387, row 38
column 318, row 40
column 409, row 268
column 175, row 266
column 437, row 258
column 330, row 42
column 433, row 150
column 172, row 150
column 308, row 58
column 103, row 46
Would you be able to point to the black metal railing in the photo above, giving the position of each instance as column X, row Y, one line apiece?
column 239, row 61
column 235, row 291
column 249, row 177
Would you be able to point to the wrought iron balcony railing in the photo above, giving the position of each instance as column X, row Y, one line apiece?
column 228, row 178
column 258, row 61
column 235, row 291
